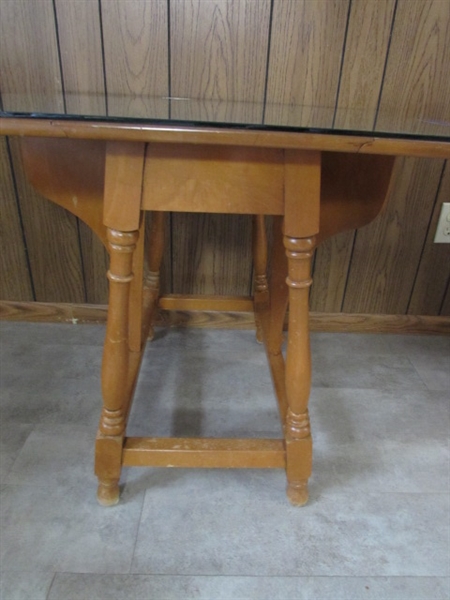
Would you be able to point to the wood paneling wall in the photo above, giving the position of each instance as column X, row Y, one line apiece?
column 387, row 60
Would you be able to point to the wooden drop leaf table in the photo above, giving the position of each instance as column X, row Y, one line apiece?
column 314, row 183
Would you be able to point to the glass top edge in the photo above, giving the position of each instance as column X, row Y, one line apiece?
column 230, row 125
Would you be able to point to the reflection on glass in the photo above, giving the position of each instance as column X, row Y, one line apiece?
column 214, row 112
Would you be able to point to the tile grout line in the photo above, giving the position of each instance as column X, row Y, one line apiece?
column 137, row 532
column 51, row 585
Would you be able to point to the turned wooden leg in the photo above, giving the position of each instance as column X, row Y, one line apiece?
column 155, row 255
column 108, row 451
column 261, row 288
column 298, row 369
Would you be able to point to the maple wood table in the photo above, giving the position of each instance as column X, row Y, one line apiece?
column 109, row 171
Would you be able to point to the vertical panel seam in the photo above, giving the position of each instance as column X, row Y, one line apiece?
column 102, row 39
column 266, row 81
column 19, row 211
column 58, row 45
column 344, row 48
column 436, row 197
column 447, row 291
column 388, row 49
column 83, row 272
column 344, row 294
column 169, row 61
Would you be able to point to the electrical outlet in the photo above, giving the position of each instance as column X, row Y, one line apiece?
column 443, row 227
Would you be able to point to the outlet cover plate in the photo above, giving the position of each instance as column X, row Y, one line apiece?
column 443, row 227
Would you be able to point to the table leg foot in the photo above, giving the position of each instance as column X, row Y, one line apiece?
column 297, row 492
column 108, row 492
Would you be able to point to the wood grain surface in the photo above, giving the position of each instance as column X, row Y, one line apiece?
column 95, row 263
column 78, row 314
column 416, row 87
column 351, row 64
column 218, row 53
column 366, row 49
column 29, row 61
column 331, row 266
column 433, row 274
column 221, row 263
column 51, row 235
column 386, row 253
column 136, row 57
column 15, row 281
column 79, row 34
column 30, row 66
column 305, row 56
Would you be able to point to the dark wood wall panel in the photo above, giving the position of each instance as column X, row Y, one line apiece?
column 417, row 83
column 95, row 262
column 434, row 268
column 218, row 53
column 29, row 63
column 30, row 67
column 15, row 282
column 366, row 48
column 386, row 252
column 347, row 63
column 52, row 240
column 331, row 266
column 136, row 57
column 81, row 55
column 211, row 254
column 305, row 56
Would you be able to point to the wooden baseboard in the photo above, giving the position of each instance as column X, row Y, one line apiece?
column 324, row 322
column 359, row 323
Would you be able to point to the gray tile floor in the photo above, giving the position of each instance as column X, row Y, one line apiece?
column 377, row 524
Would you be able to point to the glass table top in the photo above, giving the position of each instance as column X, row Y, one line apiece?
column 225, row 114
